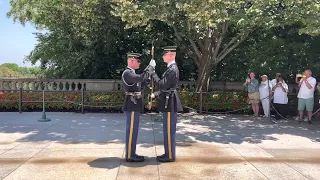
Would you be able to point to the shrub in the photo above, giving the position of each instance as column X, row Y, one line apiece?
column 112, row 101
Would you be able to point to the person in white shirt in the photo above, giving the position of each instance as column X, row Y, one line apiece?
column 264, row 92
column 306, row 95
column 275, row 80
column 280, row 97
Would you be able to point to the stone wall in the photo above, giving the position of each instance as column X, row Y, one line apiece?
column 105, row 85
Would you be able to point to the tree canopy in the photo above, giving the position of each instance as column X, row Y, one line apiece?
column 13, row 70
column 216, row 39
column 81, row 40
column 213, row 29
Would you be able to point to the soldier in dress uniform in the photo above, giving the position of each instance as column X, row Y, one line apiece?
column 132, row 106
column 169, row 102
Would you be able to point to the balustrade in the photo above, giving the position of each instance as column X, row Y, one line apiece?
column 36, row 84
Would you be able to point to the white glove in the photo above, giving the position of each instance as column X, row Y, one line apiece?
column 152, row 95
column 152, row 63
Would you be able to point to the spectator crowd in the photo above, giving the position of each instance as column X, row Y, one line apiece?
column 276, row 93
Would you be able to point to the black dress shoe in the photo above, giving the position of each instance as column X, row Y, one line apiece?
column 135, row 159
column 300, row 121
column 165, row 159
column 309, row 122
column 162, row 156
column 139, row 156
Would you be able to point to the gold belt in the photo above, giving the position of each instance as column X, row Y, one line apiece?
column 133, row 93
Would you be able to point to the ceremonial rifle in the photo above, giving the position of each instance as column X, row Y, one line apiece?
column 151, row 87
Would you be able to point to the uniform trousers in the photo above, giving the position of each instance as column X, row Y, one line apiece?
column 169, row 134
column 132, row 127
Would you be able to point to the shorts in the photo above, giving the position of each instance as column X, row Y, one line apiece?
column 308, row 103
column 254, row 98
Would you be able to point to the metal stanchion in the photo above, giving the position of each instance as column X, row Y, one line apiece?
column 82, row 101
column 20, row 100
column 44, row 118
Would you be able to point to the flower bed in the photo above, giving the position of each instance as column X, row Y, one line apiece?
column 221, row 101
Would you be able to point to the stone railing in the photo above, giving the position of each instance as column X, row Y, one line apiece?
column 33, row 84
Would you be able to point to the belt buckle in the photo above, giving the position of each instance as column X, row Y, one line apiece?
column 166, row 104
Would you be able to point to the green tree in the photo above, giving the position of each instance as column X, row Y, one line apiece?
column 5, row 71
column 267, row 52
column 13, row 70
column 12, row 66
column 210, row 30
column 82, row 39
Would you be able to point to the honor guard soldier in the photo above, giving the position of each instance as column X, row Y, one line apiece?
column 132, row 106
column 169, row 102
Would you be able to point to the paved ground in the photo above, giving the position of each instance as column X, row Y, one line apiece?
column 91, row 146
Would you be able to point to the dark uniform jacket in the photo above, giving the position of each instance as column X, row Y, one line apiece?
column 133, row 82
column 167, row 86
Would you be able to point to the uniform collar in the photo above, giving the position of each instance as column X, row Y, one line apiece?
column 170, row 63
column 131, row 69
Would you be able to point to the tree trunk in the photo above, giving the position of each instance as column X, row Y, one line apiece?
column 203, row 79
column 204, row 74
column 209, row 51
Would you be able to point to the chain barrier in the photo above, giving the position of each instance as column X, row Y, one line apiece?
column 120, row 105
column 80, row 104
column 226, row 112
column 222, row 112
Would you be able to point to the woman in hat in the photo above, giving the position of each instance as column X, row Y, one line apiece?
column 264, row 91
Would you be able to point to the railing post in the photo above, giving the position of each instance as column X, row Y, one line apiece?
column 82, row 101
column 44, row 117
column 201, row 102
column 20, row 100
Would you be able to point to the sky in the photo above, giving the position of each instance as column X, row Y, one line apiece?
column 16, row 41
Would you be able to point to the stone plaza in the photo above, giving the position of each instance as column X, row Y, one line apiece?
column 92, row 146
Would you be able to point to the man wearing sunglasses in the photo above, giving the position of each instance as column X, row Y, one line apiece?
column 132, row 106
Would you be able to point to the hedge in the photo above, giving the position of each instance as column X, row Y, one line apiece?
column 112, row 101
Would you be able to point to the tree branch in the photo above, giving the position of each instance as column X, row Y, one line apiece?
column 200, row 43
column 223, row 55
column 195, row 58
column 198, row 55
column 170, row 40
column 195, row 48
column 214, row 39
column 225, row 27
column 177, row 33
column 233, row 40
column 220, row 38
column 207, row 40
